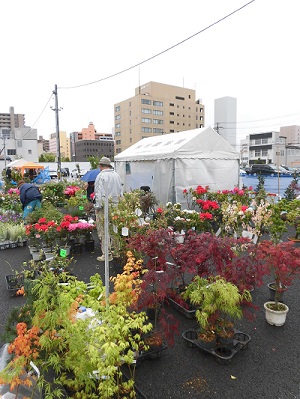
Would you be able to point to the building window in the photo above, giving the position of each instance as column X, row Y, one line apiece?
column 146, row 111
column 264, row 141
column 118, row 117
column 157, row 112
column 264, row 153
column 172, row 131
column 29, row 152
column 147, row 129
column 172, row 123
column 146, row 120
column 171, row 104
column 158, row 121
column 118, row 134
column 158, row 103
column 257, row 153
column 11, row 152
column 171, row 113
column 118, row 142
column 156, row 130
column 118, row 125
column 282, row 153
column 201, row 110
column 117, row 109
column 146, row 101
column 179, row 98
column 130, row 140
column 118, row 150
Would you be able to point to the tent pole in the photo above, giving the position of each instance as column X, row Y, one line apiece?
column 173, row 182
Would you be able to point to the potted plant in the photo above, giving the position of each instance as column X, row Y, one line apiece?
column 282, row 261
column 218, row 305
column 64, row 320
column 155, row 247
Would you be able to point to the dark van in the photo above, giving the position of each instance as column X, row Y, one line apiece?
column 264, row 169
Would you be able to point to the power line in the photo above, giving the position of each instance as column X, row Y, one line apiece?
column 162, row 52
column 38, row 117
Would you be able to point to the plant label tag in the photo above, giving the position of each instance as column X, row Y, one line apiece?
column 62, row 253
column 124, row 231
column 141, row 221
column 80, row 208
column 218, row 232
column 255, row 238
column 115, row 228
column 138, row 212
column 247, row 234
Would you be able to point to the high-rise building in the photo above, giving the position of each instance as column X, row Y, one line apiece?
column 82, row 147
column 64, row 144
column 156, row 109
column 225, row 118
column 11, row 120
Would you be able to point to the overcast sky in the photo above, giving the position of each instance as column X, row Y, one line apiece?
column 252, row 55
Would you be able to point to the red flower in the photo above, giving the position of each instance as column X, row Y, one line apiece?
column 159, row 210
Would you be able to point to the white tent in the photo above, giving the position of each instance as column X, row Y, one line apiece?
column 17, row 162
column 170, row 163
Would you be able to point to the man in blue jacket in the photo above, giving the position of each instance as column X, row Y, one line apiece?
column 30, row 197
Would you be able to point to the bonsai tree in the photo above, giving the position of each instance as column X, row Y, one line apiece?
column 218, row 301
column 282, row 261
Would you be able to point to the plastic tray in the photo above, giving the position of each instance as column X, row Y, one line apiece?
column 222, row 353
column 188, row 313
column 14, row 281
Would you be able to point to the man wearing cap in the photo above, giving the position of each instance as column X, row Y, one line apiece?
column 30, row 197
column 110, row 179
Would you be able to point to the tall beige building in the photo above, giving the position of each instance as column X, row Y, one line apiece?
column 156, row 109
column 64, row 144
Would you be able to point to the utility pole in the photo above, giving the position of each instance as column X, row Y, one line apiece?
column 56, row 109
column 217, row 128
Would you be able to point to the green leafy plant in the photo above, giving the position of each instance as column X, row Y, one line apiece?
column 218, row 301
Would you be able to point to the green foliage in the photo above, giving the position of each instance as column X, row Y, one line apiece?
column 48, row 211
column 47, row 157
column 86, row 353
column 215, row 296
column 260, row 189
column 94, row 161
column 292, row 189
column 54, row 192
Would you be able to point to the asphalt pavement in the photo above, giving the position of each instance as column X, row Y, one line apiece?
column 268, row 368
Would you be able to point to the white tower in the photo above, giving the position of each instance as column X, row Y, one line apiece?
column 225, row 118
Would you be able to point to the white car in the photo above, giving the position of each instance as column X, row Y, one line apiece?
column 75, row 173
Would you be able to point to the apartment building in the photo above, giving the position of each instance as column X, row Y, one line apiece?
column 104, row 144
column 156, row 109
column 11, row 120
column 64, row 144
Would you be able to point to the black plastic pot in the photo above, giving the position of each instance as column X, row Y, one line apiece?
column 272, row 292
column 89, row 245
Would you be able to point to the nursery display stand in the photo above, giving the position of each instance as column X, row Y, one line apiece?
column 222, row 353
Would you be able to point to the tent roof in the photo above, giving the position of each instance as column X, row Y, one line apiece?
column 197, row 143
column 30, row 165
column 17, row 162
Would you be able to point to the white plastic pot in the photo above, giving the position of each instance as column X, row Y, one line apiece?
column 275, row 317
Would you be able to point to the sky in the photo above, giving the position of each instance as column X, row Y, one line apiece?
column 251, row 55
